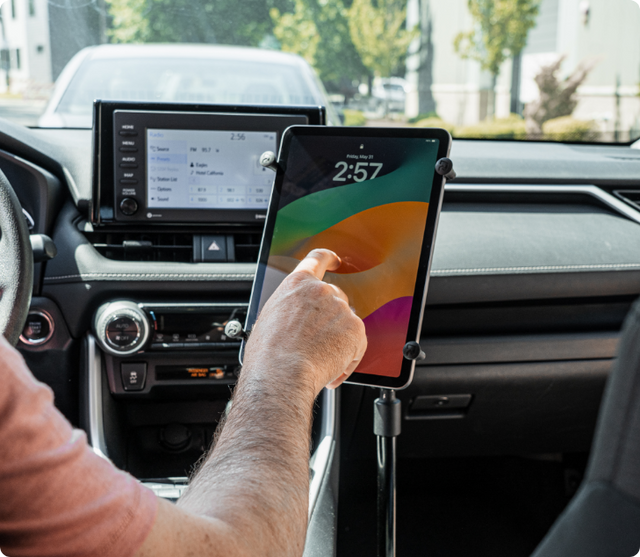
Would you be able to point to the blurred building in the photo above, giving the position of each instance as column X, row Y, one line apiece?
column 603, row 31
column 26, row 46
column 38, row 38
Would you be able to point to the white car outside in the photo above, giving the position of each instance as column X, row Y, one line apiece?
column 392, row 91
column 208, row 74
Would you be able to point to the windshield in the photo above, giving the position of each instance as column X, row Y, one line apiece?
column 551, row 70
column 182, row 80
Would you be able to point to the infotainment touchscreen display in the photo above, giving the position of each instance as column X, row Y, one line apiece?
column 182, row 163
column 207, row 169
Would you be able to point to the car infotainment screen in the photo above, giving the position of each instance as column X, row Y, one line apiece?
column 208, row 169
column 171, row 163
column 372, row 196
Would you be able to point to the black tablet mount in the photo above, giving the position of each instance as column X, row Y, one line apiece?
column 387, row 412
column 387, row 425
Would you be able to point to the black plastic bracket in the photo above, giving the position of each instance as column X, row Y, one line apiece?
column 412, row 351
column 387, row 415
column 444, row 167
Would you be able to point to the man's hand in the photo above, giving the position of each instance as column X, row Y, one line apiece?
column 307, row 329
column 251, row 495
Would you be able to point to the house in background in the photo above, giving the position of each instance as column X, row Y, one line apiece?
column 603, row 31
column 26, row 47
column 38, row 38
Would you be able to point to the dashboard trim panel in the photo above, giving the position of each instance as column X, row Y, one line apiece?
column 94, row 386
column 594, row 191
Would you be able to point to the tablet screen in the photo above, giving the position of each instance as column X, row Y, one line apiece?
column 367, row 199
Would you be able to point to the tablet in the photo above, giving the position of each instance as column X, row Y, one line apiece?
column 371, row 195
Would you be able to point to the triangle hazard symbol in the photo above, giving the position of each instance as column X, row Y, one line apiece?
column 213, row 246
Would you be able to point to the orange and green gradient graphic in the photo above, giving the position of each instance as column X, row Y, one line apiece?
column 376, row 227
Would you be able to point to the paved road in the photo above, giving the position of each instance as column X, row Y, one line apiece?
column 25, row 112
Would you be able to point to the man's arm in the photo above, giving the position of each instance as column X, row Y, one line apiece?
column 251, row 495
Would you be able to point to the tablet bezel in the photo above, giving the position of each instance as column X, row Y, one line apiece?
column 426, row 255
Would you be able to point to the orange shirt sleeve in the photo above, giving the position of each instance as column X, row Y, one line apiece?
column 57, row 497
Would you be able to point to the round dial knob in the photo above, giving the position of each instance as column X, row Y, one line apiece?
column 122, row 328
column 129, row 206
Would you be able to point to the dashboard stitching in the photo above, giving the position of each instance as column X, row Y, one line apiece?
column 434, row 272
column 151, row 275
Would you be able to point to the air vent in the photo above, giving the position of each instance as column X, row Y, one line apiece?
column 143, row 246
column 630, row 196
column 176, row 247
column 247, row 246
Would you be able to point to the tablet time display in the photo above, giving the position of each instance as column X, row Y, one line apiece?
column 367, row 200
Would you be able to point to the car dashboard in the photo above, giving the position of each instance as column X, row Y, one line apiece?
column 537, row 261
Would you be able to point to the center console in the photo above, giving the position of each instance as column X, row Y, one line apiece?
column 180, row 185
column 191, row 172
column 173, row 345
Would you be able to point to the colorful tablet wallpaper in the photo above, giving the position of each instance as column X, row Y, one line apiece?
column 369, row 204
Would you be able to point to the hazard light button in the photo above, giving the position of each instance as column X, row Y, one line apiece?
column 211, row 248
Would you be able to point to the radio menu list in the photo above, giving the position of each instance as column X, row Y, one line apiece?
column 201, row 169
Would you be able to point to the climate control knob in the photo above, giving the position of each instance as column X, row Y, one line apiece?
column 121, row 328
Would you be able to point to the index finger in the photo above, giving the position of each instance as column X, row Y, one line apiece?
column 318, row 262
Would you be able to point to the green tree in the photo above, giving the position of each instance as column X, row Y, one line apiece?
column 501, row 32
column 318, row 30
column 296, row 31
column 234, row 22
column 378, row 33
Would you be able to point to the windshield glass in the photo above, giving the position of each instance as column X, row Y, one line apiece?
column 552, row 70
column 182, row 80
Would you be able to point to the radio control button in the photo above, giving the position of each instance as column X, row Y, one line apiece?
column 128, row 133
column 128, row 149
column 128, row 181
column 128, row 206
column 128, row 165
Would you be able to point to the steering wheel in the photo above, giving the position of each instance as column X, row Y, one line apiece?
column 16, row 264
